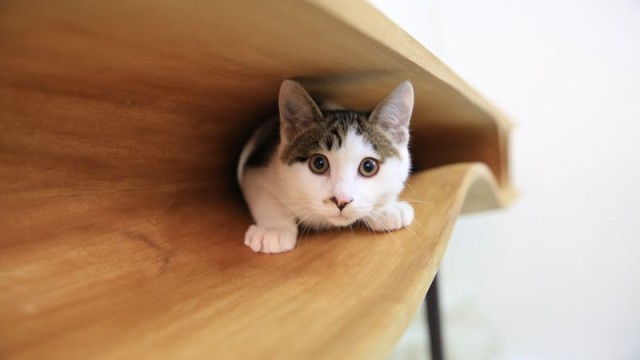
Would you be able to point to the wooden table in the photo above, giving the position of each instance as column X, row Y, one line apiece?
column 121, row 225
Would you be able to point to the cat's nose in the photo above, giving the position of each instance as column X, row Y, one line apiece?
column 342, row 202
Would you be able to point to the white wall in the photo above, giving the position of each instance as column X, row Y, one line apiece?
column 557, row 276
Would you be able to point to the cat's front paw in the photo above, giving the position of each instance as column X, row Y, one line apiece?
column 270, row 241
column 393, row 217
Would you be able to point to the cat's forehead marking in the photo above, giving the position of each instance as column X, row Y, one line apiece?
column 332, row 132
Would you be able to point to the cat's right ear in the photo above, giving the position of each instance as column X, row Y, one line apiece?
column 297, row 110
column 394, row 112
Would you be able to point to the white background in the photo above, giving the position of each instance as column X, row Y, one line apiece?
column 556, row 276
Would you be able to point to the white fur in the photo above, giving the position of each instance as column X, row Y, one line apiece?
column 282, row 196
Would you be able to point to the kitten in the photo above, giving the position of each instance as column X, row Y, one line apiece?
column 326, row 168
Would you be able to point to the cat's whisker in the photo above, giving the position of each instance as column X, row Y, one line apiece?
column 305, row 232
column 411, row 188
column 417, row 201
column 304, row 216
column 369, row 227
column 305, row 226
column 408, row 228
column 385, row 228
column 427, row 232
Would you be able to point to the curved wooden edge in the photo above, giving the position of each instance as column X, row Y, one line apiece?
column 364, row 288
column 179, row 283
column 122, row 237
column 485, row 193
column 472, row 129
column 377, row 26
column 441, row 195
column 133, row 94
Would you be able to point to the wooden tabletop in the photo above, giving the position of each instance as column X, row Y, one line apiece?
column 121, row 225
column 177, row 282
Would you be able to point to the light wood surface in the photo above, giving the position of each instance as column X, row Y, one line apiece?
column 121, row 224
column 177, row 283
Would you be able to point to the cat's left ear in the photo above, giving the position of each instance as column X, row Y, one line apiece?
column 394, row 112
column 298, row 111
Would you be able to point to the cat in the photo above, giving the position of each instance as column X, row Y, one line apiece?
column 326, row 168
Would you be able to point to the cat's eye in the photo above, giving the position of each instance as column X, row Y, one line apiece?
column 318, row 164
column 368, row 167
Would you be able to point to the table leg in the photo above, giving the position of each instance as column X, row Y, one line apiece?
column 433, row 320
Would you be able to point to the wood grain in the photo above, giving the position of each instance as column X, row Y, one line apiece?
column 121, row 224
column 178, row 284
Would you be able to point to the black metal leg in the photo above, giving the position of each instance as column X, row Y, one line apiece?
column 433, row 320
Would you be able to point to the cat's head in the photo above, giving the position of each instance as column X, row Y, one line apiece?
column 340, row 166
